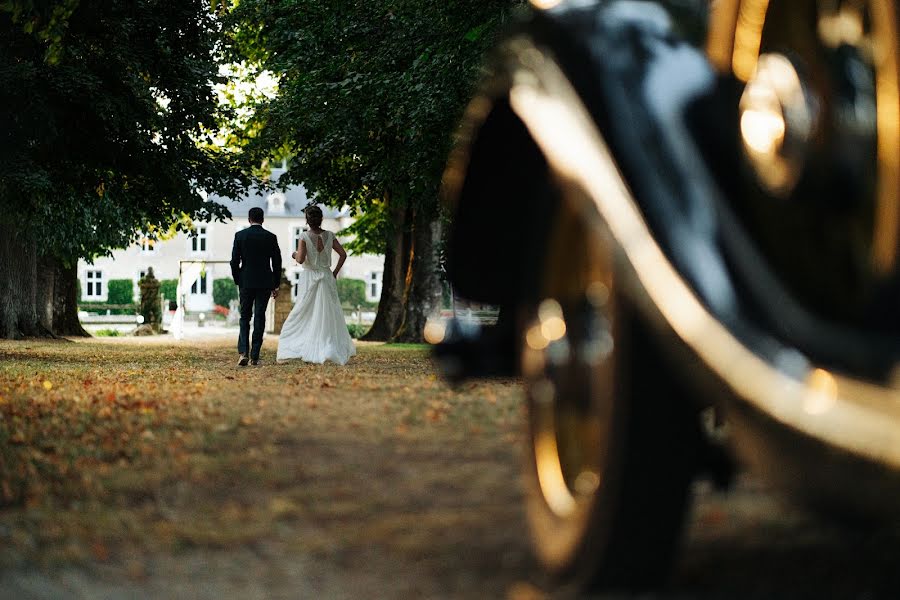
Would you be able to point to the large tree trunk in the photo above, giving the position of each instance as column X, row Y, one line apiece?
column 394, row 279
column 18, row 285
column 65, row 301
column 44, row 291
column 423, row 297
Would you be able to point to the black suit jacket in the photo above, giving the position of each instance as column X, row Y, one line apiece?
column 253, row 250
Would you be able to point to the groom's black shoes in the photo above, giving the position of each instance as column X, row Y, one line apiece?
column 255, row 362
column 244, row 360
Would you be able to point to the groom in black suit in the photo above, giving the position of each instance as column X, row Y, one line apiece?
column 256, row 269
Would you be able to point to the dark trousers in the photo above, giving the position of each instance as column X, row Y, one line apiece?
column 253, row 300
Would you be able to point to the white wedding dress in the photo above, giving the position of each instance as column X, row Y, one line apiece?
column 315, row 331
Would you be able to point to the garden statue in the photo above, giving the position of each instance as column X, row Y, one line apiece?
column 150, row 306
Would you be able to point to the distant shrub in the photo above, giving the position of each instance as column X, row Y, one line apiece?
column 108, row 333
column 221, row 310
column 224, row 291
column 356, row 330
column 120, row 291
column 352, row 292
column 168, row 287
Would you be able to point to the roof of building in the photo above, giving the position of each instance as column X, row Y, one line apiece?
column 289, row 203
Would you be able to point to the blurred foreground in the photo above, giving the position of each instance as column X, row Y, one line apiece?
column 164, row 471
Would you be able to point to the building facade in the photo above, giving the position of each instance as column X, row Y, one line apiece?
column 212, row 246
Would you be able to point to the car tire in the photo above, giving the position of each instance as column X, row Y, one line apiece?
column 612, row 451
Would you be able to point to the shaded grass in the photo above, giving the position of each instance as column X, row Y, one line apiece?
column 404, row 346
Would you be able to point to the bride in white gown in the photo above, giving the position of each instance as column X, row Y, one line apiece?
column 315, row 331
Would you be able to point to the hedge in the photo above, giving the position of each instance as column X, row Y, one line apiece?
column 352, row 292
column 168, row 287
column 102, row 307
column 120, row 291
column 224, row 291
column 357, row 330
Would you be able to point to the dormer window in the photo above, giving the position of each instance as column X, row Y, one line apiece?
column 275, row 203
column 148, row 245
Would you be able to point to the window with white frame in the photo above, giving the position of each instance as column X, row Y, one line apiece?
column 295, row 284
column 137, row 283
column 296, row 234
column 199, row 286
column 200, row 241
column 373, row 286
column 93, row 288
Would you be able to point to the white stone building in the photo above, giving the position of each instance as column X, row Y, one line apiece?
column 213, row 242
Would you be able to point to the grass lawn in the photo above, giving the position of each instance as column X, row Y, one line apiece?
column 126, row 460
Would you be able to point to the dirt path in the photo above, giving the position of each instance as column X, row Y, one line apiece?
column 162, row 470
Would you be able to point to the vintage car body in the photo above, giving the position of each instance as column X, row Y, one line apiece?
column 690, row 207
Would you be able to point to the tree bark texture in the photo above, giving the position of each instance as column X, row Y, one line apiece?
column 45, row 291
column 18, row 285
column 393, row 280
column 423, row 295
column 65, row 301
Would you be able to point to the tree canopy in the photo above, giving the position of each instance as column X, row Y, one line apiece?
column 109, row 110
column 369, row 93
column 107, row 126
column 111, row 123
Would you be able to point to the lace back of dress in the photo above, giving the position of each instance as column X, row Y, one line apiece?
column 318, row 258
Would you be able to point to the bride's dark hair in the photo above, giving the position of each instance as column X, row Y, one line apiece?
column 313, row 215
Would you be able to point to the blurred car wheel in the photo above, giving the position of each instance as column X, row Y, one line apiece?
column 613, row 443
